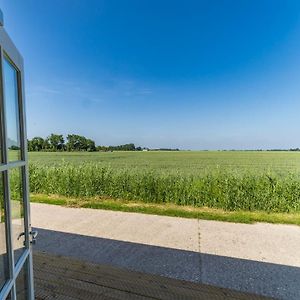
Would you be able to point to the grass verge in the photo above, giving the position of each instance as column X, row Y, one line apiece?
column 169, row 209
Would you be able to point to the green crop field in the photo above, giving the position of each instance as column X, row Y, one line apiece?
column 183, row 162
column 231, row 181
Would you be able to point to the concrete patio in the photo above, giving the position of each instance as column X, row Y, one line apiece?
column 258, row 258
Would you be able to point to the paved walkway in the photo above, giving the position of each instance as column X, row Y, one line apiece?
column 259, row 258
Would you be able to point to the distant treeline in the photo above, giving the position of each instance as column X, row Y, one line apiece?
column 74, row 142
column 56, row 142
column 163, row 149
column 255, row 150
column 125, row 147
column 292, row 149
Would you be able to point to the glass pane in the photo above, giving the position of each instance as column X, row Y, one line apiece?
column 17, row 211
column 12, row 111
column 22, row 283
column 3, row 255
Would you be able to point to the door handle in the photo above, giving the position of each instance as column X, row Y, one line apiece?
column 34, row 234
column 20, row 235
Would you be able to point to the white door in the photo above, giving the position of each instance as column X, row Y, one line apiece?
column 16, row 278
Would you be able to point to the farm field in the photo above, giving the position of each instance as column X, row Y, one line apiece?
column 182, row 162
column 231, row 181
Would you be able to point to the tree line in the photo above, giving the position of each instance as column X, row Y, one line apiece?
column 73, row 142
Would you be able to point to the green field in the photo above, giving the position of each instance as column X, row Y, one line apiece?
column 231, row 180
column 203, row 181
column 183, row 162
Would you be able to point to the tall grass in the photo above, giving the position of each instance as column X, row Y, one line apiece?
column 218, row 189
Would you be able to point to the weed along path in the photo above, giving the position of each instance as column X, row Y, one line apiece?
column 258, row 258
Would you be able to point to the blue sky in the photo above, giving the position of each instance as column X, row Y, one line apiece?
column 187, row 74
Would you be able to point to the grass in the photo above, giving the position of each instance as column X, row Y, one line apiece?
column 169, row 210
column 231, row 185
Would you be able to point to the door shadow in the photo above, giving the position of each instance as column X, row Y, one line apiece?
column 268, row 279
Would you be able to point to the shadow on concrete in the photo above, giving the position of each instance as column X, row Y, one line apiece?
column 262, row 278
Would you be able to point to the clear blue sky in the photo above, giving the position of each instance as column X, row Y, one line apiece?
column 188, row 74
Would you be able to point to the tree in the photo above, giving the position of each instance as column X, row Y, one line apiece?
column 72, row 143
column 79, row 143
column 75, row 142
column 46, row 145
column 56, row 142
column 14, row 147
column 37, row 144
column 90, row 145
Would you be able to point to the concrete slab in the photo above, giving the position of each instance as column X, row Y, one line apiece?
column 272, row 243
column 177, row 233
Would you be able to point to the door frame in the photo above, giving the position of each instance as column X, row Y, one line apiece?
column 9, row 52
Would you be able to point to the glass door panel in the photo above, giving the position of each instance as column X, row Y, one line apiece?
column 3, row 246
column 17, row 212
column 22, row 283
column 12, row 111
